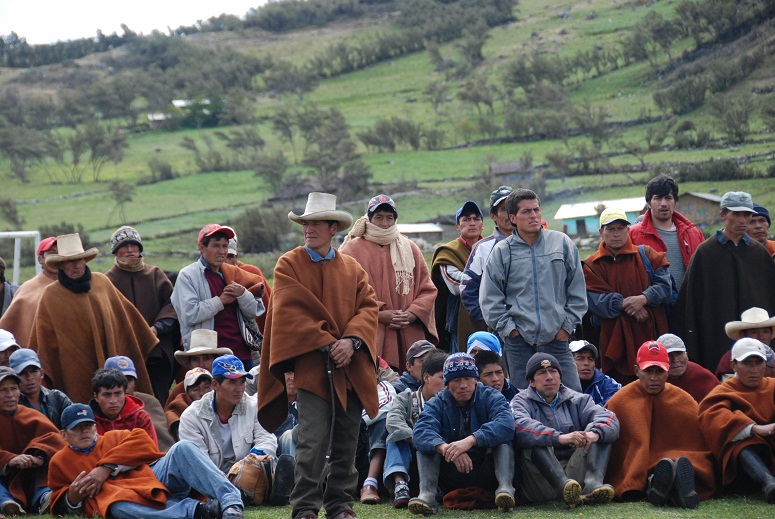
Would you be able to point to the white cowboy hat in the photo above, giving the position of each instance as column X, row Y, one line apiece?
column 203, row 342
column 70, row 248
column 750, row 319
column 322, row 206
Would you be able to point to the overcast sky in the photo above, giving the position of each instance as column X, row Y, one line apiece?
column 47, row 21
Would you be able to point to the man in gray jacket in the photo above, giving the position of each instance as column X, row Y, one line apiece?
column 533, row 293
column 564, row 438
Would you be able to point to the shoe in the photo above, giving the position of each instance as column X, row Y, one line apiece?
column 419, row 507
column 505, row 502
column 683, row 488
column 232, row 512
column 571, row 493
column 283, row 482
column 369, row 495
column 346, row 514
column 661, row 481
column 401, row 498
column 210, row 509
column 599, row 496
column 45, row 503
column 308, row 515
column 11, row 508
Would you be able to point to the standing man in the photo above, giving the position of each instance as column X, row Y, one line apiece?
column 7, row 290
column 533, row 293
column 214, row 295
column 472, row 275
column 665, row 229
column 728, row 274
column 322, row 325
column 149, row 289
column 449, row 261
column 400, row 277
column 759, row 229
column 18, row 318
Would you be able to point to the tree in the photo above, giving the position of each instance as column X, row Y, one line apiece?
column 272, row 168
column 10, row 211
column 245, row 142
column 733, row 115
column 283, row 122
column 286, row 78
column 23, row 148
column 470, row 46
column 121, row 192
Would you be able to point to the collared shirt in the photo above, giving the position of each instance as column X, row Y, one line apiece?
column 208, row 266
column 723, row 239
column 551, row 404
column 317, row 258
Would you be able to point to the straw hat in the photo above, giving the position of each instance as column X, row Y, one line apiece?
column 203, row 342
column 750, row 319
column 70, row 248
column 322, row 206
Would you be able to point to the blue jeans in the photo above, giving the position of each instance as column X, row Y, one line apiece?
column 185, row 467
column 5, row 495
column 377, row 435
column 398, row 459
column 518, row 352
column 286, row 444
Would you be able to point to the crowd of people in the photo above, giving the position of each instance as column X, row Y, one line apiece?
column 511, row 371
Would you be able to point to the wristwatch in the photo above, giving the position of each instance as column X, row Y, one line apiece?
column 356, row 342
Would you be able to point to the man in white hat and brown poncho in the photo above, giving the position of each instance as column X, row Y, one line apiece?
column 82, row 320
column 321, row 324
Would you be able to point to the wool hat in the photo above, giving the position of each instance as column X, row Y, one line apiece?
column 418, row 349
column 124, row 236
column 230, row 367
column 7, row 340
column 737, row 201
column 483, row 341
column 541, row 360
column 747, row 347
column 611, row 215
column 46, row 244
column 193, row 376
column 212, row 228
column 459, row 365
column 466, row 209
column 499, row 195
column 122, row 364
column 203, row 342
column 75, row 414
column 23, row 358
column 577, row 346
column 322, row 206
column 752, row 318
column 6, row 372
column 653, row 353
column 671, row 342
column 762, row 211
column 70, row 248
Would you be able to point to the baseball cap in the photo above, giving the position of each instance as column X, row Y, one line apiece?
column 541, row 360
column 653, row 353
column 577, row 346
column 46, row 244
column 194, row 375
column 612, row 214
column 418, row 349
column 746, row 347
column 23, row 358
column 762, row 211
column 212, row 228
column 671, row 342
column 466, row 209
column 7, row 340
column 75, row 414
column 232, row 247
column 6, row 372
column 379, row 200
column 737, row 201
column 499, row 195
column 230, row 366
column 122, row 364
column 483, row 341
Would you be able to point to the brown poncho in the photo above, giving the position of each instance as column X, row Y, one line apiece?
column 18, row 318
column 454, row 253
column 312, row 306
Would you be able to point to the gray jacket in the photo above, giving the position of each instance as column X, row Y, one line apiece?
column 196, row 306
column 534, row 289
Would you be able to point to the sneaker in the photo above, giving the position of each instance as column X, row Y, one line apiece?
column 684, row 484
column 401, row 499
column 571, row 493
column 210, row 509
column 232, row 512
column 45, row 503
column 660, row 482
column 11, row 507
column 369, row 495
column 419, row 507
column 283, row 482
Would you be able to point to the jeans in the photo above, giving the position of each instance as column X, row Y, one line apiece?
column 5, row 495
column 286, row 443
column 518, row 352
column 377, row 435
column 398, row 459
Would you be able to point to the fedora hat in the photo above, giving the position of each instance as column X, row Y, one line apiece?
column 322, row 206
column 203, row 342
column 750, row 319
column 70, row 248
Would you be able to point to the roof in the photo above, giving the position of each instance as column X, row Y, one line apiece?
column 705, row 196
column 584, row 209
column 418, row 228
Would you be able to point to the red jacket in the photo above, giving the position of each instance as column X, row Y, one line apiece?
column 690, row 236
column 132, row 416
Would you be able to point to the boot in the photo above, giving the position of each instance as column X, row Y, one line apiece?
column 504, row 473
column 753, row 465
column 683, row 493
column 283, row 482
column 595, row 491
column 428, row 466
column 660, row 482
column 550, row 468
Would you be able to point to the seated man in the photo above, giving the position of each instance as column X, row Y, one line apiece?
column 754, row 322
column 401, row 457
column 463, row 438
column 287, row 433
column 594, row 382
column 492, row 373
column 121, row 474
column 203, row 351
column 50, row 402
column 197, row 383
column 483, row 341
column 114, row 409
column 27, row 442
column 8, row 345
column 564, row 437
column 663, row 449
column 688, row 375
column 415, row 356
column 737, row 419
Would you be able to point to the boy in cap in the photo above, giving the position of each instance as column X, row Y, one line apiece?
column 492, row 373
column 737, row 419
column 594, row 382
column 50, row 402
column 478, row 452
column 196, row 384
column 415, row 356
column 663, row 456
column 449, row 260
column 8, row 345
column 121, row 474
column 688, row 375
column 564, row 437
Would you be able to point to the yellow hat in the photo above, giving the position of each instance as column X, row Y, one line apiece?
column 611, row 215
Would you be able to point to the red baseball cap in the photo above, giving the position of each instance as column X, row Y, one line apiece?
column 46, row 244
column 653, row 353
column 212, row 228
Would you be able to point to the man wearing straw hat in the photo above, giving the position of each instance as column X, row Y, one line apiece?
column 321, row 324
column 755, row 323
column 82, row 320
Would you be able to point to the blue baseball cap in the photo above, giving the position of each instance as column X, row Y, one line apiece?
column 75, row 414
column 22, row 359
column 483, row 341
column 122, row 364
column 467, row 208
column 230, row 366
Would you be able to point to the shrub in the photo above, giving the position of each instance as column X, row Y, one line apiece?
column 684, row 96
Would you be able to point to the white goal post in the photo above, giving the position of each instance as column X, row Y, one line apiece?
column 17, row 250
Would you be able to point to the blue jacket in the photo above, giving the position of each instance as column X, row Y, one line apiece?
column 406, row 381
column 490, row 419
column 602, row 387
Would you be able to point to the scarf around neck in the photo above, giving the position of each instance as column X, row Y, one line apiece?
column 400, row 250
column 80, row 285
column 130, row 264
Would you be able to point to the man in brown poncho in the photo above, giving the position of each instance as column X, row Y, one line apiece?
column 82, row 320
column 321, row 324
